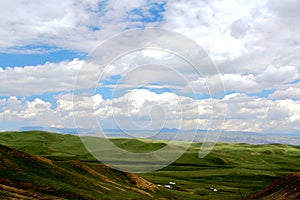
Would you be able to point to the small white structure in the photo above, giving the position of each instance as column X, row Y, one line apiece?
column 159, row 185
column 213, row 189
column 168, row 186
column 172, row 183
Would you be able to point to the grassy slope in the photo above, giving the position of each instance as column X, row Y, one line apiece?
column 26, row 176
column 229, row 167
column 286, row 187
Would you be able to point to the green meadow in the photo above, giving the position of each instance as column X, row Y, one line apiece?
column 235, row 170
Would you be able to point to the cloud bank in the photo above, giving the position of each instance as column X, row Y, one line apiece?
column 255, row 46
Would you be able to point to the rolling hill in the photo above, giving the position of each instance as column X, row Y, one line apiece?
column 236, row 170
column 26, row 176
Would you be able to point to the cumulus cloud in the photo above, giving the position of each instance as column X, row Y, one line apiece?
column 241, row 37
column 136, row 109
column 273, row 75
column 255, row 45
column 50, row 77
column 171, row 73
column 232, row 31
column 264, row 115
column 29, row 80
column 163, row 70
column 15, row 109
column 147, row 110
column 269, row 79
column 73, row 25
column 289, row 91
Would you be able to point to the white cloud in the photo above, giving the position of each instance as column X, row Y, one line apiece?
column 136, row 109
column 241, row 37
column 208, row 23
column 261, row 115
column 235, row 32
column 147, row 110
column 172, row 73
column 273, row 75
column 38, row 79
column 271, row 78
column 239, row 83
column 31, row 111
column 69, row 24
column 289, row 91
column 255, row 44
column 47, row 22
column 50, row 77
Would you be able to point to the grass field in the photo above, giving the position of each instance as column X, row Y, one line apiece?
column 26, row 176
column 235, row 170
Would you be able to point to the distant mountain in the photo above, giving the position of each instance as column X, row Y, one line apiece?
column 56, row 130
column 184, row 135
column 30, row 128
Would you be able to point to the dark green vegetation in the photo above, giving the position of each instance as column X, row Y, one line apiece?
column 233, row 169
column 27, row 176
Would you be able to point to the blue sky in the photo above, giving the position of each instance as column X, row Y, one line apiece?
column 44, row 47
column 21, row 59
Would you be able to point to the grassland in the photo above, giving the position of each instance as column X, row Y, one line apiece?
column 26, row 176
column 235, row 170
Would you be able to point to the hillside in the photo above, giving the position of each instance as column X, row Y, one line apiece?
column 234, row 169
column 26, row 176
column 287, row 187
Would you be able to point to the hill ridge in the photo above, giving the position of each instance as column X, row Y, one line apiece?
column 286, row 187
column 23, row 175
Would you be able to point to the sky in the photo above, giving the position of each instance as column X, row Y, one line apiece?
column 255, row 45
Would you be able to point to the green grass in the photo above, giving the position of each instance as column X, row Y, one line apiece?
column 138, row 146
column 32, row 175
column 229, row 167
